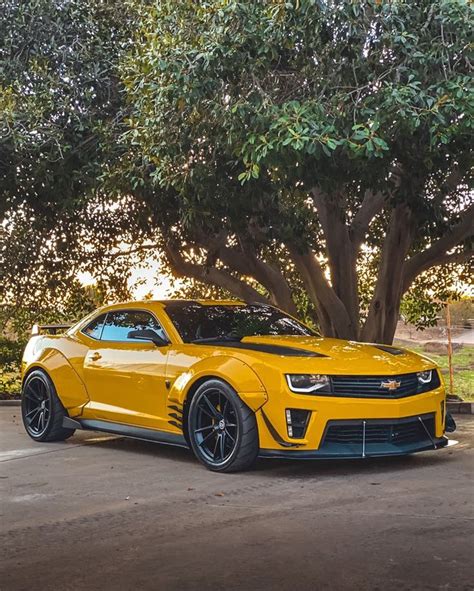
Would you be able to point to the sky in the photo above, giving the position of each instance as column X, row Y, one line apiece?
column 161, row 286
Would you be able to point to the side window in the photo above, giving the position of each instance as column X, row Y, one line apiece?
column 94, row 328
column 119, row 324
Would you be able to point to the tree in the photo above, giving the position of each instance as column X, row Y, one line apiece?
column 59, row 105
column 58, row 94
column 314, row 154
column 331, row 130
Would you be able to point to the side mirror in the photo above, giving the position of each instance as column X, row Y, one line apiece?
column 147, row 335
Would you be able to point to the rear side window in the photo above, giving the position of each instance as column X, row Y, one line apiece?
column 94, row 328
column 119, row 324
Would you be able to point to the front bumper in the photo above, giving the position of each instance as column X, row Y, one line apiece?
column 370, row 438
column 325, row 412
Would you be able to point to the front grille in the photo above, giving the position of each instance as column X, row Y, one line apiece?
column 409, row 430
column 371, row 386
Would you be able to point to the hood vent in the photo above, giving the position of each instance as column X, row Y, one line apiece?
column 391, row 350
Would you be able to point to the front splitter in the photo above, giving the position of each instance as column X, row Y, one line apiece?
column 339, row 451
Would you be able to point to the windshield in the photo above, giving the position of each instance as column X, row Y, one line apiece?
column 196, row 322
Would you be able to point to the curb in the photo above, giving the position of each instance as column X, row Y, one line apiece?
column 10, row 402
column 461, row 408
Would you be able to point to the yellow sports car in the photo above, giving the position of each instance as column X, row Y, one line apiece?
column 232, row 381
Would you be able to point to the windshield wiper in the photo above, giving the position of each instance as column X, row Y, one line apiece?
column 223, row 339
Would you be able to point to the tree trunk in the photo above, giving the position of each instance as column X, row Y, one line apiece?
column 342, row 255
column 246, row 262
column 384, row 308
column 332, row 314
column 336, row 302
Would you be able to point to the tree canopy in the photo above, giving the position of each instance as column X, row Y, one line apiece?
column 310, row 150
column 330, row 128
column 59, row 107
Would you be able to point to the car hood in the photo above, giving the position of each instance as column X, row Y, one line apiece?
column 327, row 355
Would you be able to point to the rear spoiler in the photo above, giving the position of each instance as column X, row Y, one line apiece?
column 37, row 329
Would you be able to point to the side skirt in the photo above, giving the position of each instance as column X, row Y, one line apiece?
column 127, row 431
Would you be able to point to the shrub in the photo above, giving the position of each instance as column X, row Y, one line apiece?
column 10, row 365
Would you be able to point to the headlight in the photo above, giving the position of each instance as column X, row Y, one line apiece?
column 424, row 377
column 307, row 382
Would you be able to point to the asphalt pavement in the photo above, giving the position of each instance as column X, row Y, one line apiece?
column 107, row 513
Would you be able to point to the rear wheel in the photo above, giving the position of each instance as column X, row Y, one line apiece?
column 41, row 409
column 222, row 430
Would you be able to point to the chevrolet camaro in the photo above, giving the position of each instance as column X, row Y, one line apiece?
column 231, row 381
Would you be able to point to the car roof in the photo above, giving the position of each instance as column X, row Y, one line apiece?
column 164, row 303
column 161, row 304
column 202, row 302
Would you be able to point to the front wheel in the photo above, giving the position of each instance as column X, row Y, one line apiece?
column 222, row 429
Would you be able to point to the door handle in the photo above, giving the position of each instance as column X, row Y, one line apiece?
column 95, row 356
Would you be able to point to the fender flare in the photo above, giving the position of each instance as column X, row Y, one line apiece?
column 69, row 387
column 240, row 376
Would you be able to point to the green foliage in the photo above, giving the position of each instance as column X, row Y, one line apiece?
column 58, row 93
column 59, row 100
column 282, row 91
column 190, row 289
column 422, row 305
column 65, row 307
column 51, row 308
column 10, row 364
column 463, row 364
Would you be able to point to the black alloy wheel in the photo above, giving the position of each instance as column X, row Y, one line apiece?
column 216, row 425
column 41, row 409
column 36, row 407
column 222, row 430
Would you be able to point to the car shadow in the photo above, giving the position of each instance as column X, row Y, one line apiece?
column 349, row 467
column 280, row 467
column 131, row 445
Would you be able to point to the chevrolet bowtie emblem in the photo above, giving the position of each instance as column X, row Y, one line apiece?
column 390, row 384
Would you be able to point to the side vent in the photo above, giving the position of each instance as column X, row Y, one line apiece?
column 176, row 417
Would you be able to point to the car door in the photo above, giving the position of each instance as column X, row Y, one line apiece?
column 125, row 377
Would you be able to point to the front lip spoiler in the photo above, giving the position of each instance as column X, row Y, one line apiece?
column 344, row 451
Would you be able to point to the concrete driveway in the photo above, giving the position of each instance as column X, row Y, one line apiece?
column 101, row 512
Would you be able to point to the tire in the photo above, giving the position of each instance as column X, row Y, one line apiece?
column 222, row 429
column 41, row 409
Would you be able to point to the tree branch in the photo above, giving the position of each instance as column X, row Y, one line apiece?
column 135, row 250
column 372, row 204
column 321, row 201
column 213, row 276
column 437, row 252
column 455, row 258
column 245, row 261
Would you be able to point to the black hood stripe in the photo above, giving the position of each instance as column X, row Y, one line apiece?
column 265, row 348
